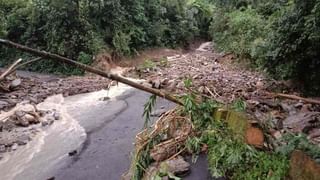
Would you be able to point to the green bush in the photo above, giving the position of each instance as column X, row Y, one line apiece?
column 239, row 31
column 69, row 27
column 293, row 48
column 281, row 37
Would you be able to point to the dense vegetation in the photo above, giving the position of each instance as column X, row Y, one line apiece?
column 279, row 37
column 78, row 29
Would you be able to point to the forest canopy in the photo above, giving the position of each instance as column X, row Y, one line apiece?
column 281, row 38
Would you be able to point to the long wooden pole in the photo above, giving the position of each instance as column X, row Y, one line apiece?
column 47, row 55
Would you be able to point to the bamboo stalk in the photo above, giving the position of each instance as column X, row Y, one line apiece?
column 294, row 97
column 47, row 55
column 24, row 64
column 9, row 70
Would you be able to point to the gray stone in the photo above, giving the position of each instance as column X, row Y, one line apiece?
column 15, row 83
column 23, row 139
column 56, row 116
column 14, row 147
column 3, row 149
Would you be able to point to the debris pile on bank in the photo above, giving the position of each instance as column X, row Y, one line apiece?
column 290, row 124
column 19, row 125
column 216, row 75
column 162, row 145
column 36, row 89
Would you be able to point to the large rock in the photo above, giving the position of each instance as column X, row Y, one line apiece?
column 302, row 167
column 177, row 167
column 15, row 83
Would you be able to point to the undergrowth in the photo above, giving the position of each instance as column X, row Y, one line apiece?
column 228, row 155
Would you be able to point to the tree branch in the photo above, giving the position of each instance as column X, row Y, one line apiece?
column 8, row 71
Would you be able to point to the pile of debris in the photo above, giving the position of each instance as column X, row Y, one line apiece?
column 19, row 125
column 217, row 76
column 163, row 142
column 36, row 89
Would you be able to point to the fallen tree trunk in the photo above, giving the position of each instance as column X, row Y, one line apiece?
column 47, row 55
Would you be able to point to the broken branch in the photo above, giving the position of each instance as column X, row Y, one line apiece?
column 294, row 97
column 7, row 72
column 24, row 64
column 47, row 55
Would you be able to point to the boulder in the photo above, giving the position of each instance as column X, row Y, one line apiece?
column 303, row 167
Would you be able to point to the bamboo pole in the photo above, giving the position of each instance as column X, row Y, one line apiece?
column 294, row 97
column 9, row 70
column 47, row 55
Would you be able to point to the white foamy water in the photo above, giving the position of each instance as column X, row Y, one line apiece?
column 48, row 150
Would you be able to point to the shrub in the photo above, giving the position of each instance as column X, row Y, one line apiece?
column 238, row 31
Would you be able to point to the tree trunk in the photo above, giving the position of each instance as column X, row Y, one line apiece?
column 47, row 55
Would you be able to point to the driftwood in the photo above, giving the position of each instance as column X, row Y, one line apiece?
column 47, row 55
column 10, row 69
column 294, row 97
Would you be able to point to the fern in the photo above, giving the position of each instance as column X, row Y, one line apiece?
column 148, row 107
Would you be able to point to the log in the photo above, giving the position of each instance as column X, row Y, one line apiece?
column 9, row 70
column 47, row 55
column 294, row 97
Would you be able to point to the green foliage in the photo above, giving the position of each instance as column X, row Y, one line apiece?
column 228, row 155
column 148, row 107
column 238, row 30
column 281, row 37
column 293, row 49
column 148, row 64
column 142, row 160
column 291, row 142
column 239, row 105
column 72, row 27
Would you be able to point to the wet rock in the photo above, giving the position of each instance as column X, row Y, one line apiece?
column 105, row 99
column 31, row 119
column 14, row 147
column 72, row 153
column 22, row 122
column 177, row 166
column 3, row 149
column 15, row 83
column 303, row 167
column 3, row 104
column 44, row 122
column 158, row 112
column 23, row 139
column 56, row 116
column 7, row 125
